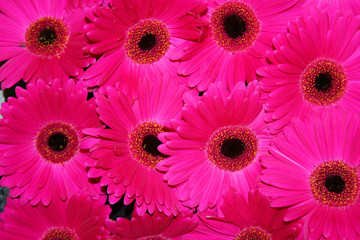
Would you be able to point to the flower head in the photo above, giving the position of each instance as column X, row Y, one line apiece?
column 155, row 226
column 43, row 127
column 312, row 70
column 216, row 144
column 313, row 170
column 41, row 40
column 246, row 217
column 236, row 37
column 137, row 44
column 79, row 217
column 127, row 152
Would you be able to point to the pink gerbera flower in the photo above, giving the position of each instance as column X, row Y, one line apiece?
column 246, row 217
column 217, row 144
column 137, row 43
column 313, row 169
column 314, row 67
column 41, row 39
column 237, row 34
column 127, row 153
column 78, row 218
column 41, row 143
column 155, row 226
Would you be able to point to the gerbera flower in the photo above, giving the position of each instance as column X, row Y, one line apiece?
column 238, row 35
column 246, row 217
column 127, row 153
column 314, row 67
column 137, row 43
column 217, row 144
column 313, row 169
column 41, row 39
column 80, row 217
column 41, row 143
column 154, row 226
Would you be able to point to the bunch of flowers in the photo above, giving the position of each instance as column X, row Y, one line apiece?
column 166, row 119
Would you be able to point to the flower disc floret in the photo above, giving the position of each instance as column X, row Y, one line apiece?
column 335, row 184
column 57, row 142
column 232, row 148
column 323, row 82
column 251, row 233
column 235, row 26
column 147, row 41
column 144, row 143
column 48, row 37
column 57, row 233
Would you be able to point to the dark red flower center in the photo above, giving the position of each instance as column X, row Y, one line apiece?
column 57, row 142
column 144, row 143
column 60, row 233
column 48, row 37
column 253, row 233
column 323, row 82
column 235, row 26
column 232, row 148
column 150, row 145
column 335, row 184
column 147, row 41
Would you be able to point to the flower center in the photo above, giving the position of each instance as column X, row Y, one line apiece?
column 57, row 142
column 335, row 184
column 144, row 143
column 60, row 233
column 253, row 233
column 48, row 37
column 147, row 41
column 150, row 144
column 323, row 82
column 235, row 26
column 232, row 148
